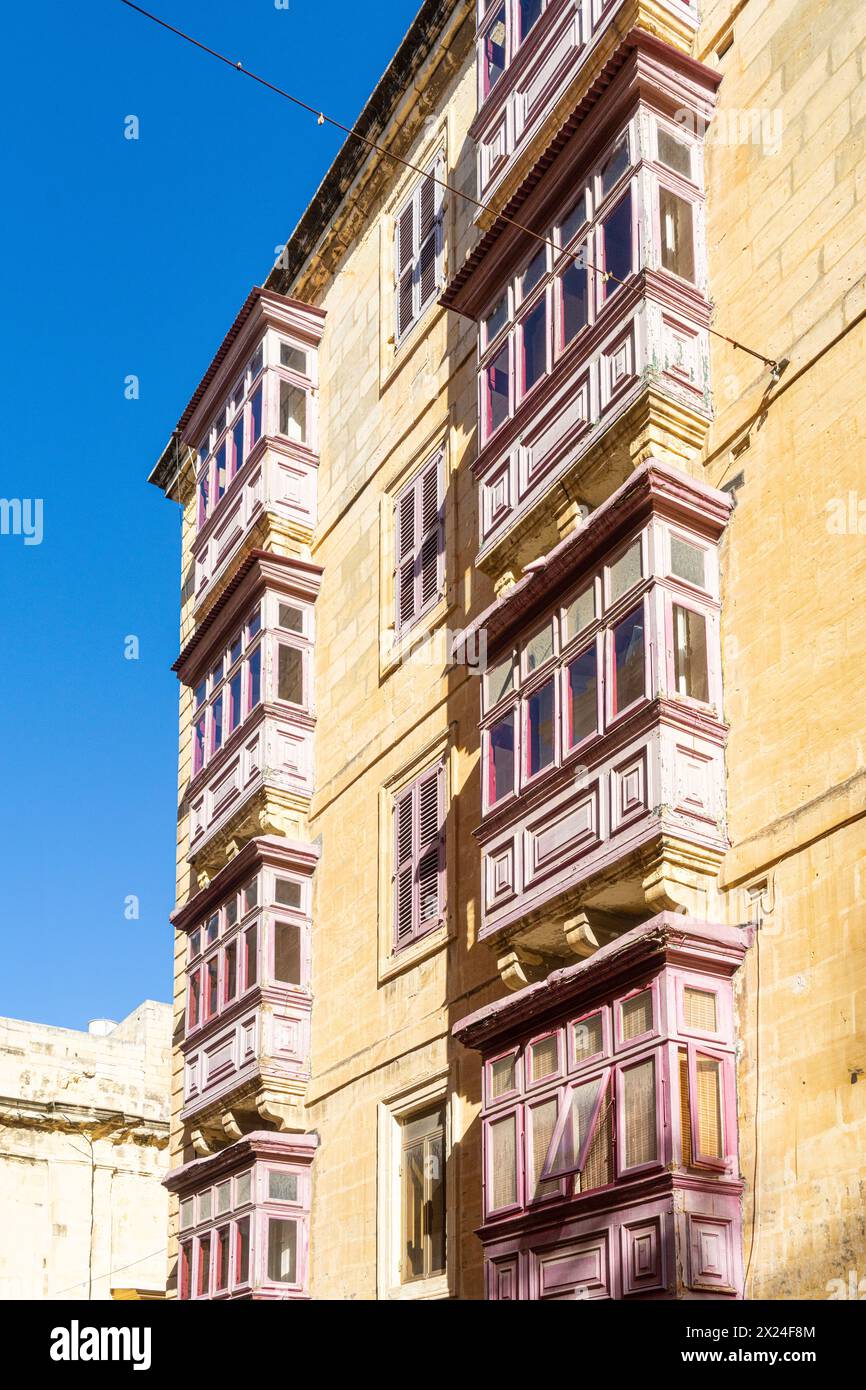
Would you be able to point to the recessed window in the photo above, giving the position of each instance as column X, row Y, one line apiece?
column 676, row 217
column 290, row 675
column 688, row 562
column 539, row 649
column 675, row 153
column 501, row 742
column 541, row 729
column 691, row 674
column 282, row 1251
column 583, row 696
column 580, row 613
column 629, row 663
column 287, row 953
column 625, row 572
column 423, row 1195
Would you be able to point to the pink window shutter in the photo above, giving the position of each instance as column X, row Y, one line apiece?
column 406, row 268
column 429, row 563
column 404, row 869
column 418, row 858
column 406, row 585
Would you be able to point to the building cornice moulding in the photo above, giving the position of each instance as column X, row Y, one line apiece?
column 261, row 1144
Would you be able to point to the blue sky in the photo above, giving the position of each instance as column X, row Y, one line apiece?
column 125, row 258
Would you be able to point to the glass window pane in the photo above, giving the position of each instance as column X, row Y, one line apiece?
column 639, row 1118
column 583, row 697
column 496, row 389
column 221, row 1264
column 254, row 626
column 242, row 1250
column 629, row 662
column 494, row 51
column 251, row 956
column 541, row 743
column 251, row 894
column 184, row 1270
column 676, row 216
column 230, row 977
column 224, row 1198
column 575, row 312
column 212, row 998
column 530, row 13
column 501, row 755
column 579, row 1113
column 544, row 1058
column 637, row 1015
column 258, row 360
column 709, row 1104
column 534, row 337
column 199, row 744
column 615, row 166
column 194, row 944
column 539, row 649
column 502, row 1077
column 291, row 618
column 237, row 447
column 235, row 713
column 496, row 320
column 676, row 154
column 212, row 930
column 616, row 240
column 588, row 1036
column 255, row 678
column 187, row 1208
column 534, row 272
column 502, row 1163
column 256, row 417
column 282, row 1187
column 290, row 675
column 205, row 1205
column 574, row 220
column 287, row 953
column 580, row 613
column 688, row 562
column 435, row 1175
column 690, row 653
column 221, row 471
column 413, row 1211
column 194, row 998
column 293, row 412
column 231, row 911
column 500, row 681
column 242, row 1190
column 202, row 1285
column 543, row 1122
column 699, row 1010
column 598, row 1165
column 282, row 1252
column 294, row 358
column 625, row 572
column 287, row 892
column 216, row 723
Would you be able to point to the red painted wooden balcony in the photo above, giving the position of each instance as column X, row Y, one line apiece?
column 246, row 1045
column 245, row 1220
column 609, row 1123
column 602, row 730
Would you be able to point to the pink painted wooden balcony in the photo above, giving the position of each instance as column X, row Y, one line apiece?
column 609, row 1123
column 593, row 343
column 246, row 1045
column 249, row 668
column 602, row 731
column 537, row 60
column 245, row 1220
column 253, row 426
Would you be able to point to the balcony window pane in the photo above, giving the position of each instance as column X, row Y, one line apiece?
column 290, row 675
column 544, row 1058
column 541, row 711
column 500, row 681
column 203, row 497
column 502, row 1077
column 598, row 1167
column 255, row 678
column 256, row 417
column 254, row 626
column 212, row 930
column 494, row 51
column 293, row 412
column 282, row 1252
column 709, row 1105
column 502, row 1163
column 187, row 1208
column 194, row 944
column 251, row 959
column 217, row 723
column 588, row 1038
column 212, row 973
column 237, row 447
column 583, row 695
column 574, row 301
column 251, row 894
column 221, row 1267
column 676, row 154
column 676, row 216
column 290, row 618
column 194, row 998
column 501, row 759
column 617, row 245
column 543, row 1121
column 235, row 714
column 242, row 1251
column 534, row 339
column 496, row 389
column 690, row 653
column 199, row 744
column 257, row 361
column 294, row 358
column 581, row 1108
column 629, row 678
column 580, row 613
column 699, row 1010
column 184, row 1271
column 205, row 1205
column 282, row 1187
column 530, row 13
column 200, row 694
column 615, row 167
column 231, row 911
column 688, row 562
column 639, row 1114
column 625, row 572
column 637, row 1015
column 539, row 649
column 235, row 651
column 242, row 1190
column 287, row 953
column 230, row 987
column 224, row 1198
column 534, row 272
column 202, row 1285
column 287, row 892
column 496, row 320
column 573, row 222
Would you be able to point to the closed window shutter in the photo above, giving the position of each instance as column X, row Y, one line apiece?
column 420, row 533
column 406, row 586
column 418, row 858
column 429, row 848
column 431, row 535
column 428, row 240
column 406, row 267
column 404, row 869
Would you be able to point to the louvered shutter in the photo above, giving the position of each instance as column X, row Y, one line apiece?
column 406, row 527
column 431, row 534
column 429, row 848
column 405, row 250
column 404, row 868
column 427, row 240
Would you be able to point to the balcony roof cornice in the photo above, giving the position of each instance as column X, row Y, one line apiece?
column 267, row 1144
column 272, row 851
